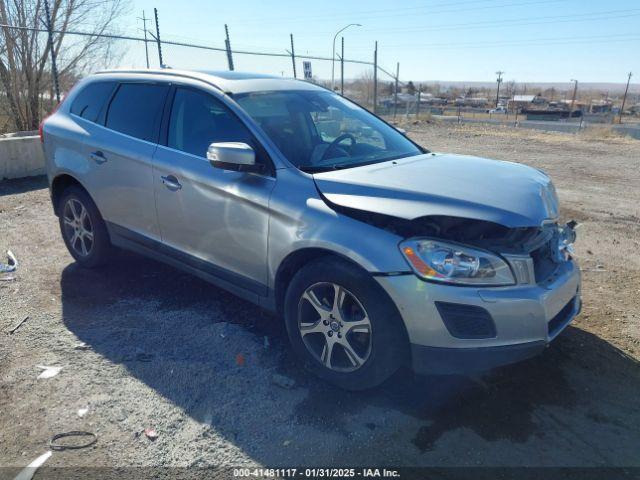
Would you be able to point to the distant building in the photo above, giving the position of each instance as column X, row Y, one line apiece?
column 525, row 101
column 601, row 106
column 404, row 99
column 432, row 100
column 471, row 101
column 577, row 104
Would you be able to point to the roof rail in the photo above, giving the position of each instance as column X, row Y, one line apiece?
column 166, row 71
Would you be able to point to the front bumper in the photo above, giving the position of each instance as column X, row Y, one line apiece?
column 526, row 319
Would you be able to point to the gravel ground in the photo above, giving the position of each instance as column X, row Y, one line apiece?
column 142, row 345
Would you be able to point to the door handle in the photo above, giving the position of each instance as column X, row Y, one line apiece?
column 98, row 157
column 171, row 182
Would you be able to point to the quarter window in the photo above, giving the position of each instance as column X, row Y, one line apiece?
column 136, row 110
column 89, row 102
column 198, row 120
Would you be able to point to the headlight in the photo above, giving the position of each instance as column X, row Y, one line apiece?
column 564, row 240
column 451, row 263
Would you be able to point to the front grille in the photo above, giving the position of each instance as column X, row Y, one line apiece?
column 558, row 322
column 466, row 321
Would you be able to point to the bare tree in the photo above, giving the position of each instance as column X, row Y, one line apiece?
column 363, row 86
column 25, row 52
column 510, row 88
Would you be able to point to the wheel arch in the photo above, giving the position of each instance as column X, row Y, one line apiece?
column 294, row 262
column 59, row 184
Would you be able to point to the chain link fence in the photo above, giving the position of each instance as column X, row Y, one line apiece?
column 362, row 80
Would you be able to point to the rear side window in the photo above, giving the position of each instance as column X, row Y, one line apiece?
column 136, row 109
column 89, row 102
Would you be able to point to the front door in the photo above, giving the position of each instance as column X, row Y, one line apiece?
column 212, row 219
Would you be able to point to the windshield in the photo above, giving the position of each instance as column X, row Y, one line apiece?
column 318, row 130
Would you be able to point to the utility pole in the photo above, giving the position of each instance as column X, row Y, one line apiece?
column 515, row 89
column 155, row 13
column 54, row 68
column 418, row 102
column 144, row 29
column 227, row 43
column 499, row 81
column 342, row 69
column 293, row 57
column 395, row 91
column 375, row 78
column 624, row 99
column 573, row 98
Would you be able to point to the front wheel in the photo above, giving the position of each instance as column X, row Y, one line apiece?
column 343, row 325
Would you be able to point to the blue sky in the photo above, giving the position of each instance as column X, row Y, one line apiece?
column 456, row 40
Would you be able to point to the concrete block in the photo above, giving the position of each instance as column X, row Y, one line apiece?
column 21, row 155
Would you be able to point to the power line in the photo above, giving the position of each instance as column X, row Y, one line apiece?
column 427, row 12
column 527, row 42
column 507, row 22
column 516, row 22
column 601, row 15
column 358, row 13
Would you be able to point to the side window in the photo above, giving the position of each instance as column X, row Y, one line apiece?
column 136, row 110
column 198, row 119
column 89, row 102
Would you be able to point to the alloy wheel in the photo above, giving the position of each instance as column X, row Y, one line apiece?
column 77, row 227
column 334, row 326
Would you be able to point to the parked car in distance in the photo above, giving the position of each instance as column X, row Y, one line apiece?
column 374, row 251
column 499, row 109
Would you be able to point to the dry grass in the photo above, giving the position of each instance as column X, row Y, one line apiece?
column 5, row 124
column 603, row 133
column 591, row 134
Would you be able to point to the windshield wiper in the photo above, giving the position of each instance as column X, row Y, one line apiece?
column 322, row 168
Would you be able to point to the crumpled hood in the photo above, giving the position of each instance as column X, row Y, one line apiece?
column 506, row 193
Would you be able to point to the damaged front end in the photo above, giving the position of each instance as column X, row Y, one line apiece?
column 476, row 252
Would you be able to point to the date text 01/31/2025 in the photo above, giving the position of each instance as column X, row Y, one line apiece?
column 315, row 472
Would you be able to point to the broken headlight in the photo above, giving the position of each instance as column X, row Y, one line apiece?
column 564, row 240
column 452, row 263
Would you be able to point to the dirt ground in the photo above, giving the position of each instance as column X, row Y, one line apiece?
column 142, row 345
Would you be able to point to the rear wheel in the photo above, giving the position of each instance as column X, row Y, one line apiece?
column 83, row 228
column 343, row 325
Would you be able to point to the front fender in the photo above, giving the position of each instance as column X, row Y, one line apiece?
column 300, row 219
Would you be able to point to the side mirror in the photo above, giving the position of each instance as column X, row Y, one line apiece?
column 401, row 130
column 235, row 156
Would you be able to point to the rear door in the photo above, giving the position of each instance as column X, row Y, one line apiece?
column 77, row 142
column 122, row 154
column 213, row 219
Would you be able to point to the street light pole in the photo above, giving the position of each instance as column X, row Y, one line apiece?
column 333, row 55
column 144, row 28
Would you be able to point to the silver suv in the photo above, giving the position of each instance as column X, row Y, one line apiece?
column 375, row 251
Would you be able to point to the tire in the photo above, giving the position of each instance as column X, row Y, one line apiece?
column 373, row 356
column 91, row 247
